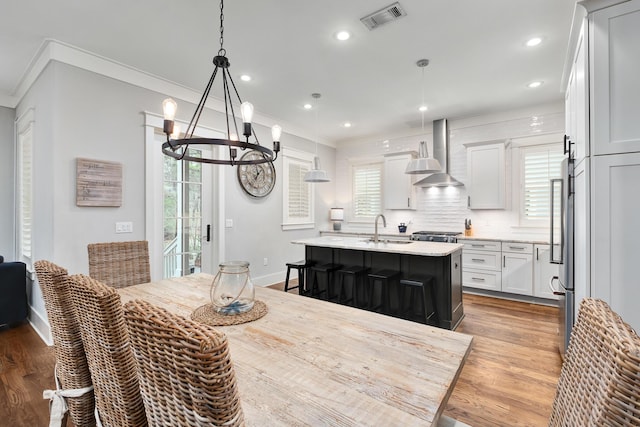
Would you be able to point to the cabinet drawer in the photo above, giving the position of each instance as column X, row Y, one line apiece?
column 482, row 279
column 482, row 260
column 522, row 248
column 480, row 245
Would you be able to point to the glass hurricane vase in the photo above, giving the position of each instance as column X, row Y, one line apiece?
column 232, row 291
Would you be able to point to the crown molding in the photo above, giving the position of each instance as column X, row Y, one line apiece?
column 54, row 50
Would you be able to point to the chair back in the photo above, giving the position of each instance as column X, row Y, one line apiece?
column 106, row 342
column 599, row 383
column 120, row 264
column 72, row 369
column 185, row 370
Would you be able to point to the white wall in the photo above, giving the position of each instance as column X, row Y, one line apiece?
column 444, row 209
column 82, row 114
column 7, row 183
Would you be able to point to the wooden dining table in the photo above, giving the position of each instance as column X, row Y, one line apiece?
column 315, row 363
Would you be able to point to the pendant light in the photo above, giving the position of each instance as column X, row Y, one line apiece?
column 316, row 174
column 178, row 148
column 423, row 164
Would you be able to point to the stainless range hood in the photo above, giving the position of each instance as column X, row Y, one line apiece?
column 440, row 153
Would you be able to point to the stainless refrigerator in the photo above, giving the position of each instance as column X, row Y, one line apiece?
column 562, row 228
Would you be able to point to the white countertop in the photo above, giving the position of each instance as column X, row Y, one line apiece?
column 358, row 243
column 534, row 238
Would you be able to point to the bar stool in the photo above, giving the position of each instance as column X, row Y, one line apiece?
column 327, row 270
column 301, row 266
column 356, row 275
column 385, row 278
column 417, row 288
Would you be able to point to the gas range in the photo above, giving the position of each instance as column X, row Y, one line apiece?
column 436, row 236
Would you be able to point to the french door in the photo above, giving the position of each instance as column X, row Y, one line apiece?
column 187, row 208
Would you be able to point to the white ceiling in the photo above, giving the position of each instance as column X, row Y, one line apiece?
column 478, row 59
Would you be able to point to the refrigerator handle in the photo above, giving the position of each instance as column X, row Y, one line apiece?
column 554, row 290
column 552, row 243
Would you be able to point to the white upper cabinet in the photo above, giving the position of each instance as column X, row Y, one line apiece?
column 399, row 192
column 615, row 109
column 486, row 176
column 576, row 101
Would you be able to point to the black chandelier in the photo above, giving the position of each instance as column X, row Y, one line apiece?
column 178, row 147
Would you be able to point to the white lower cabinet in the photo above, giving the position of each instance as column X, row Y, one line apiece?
column 510, row 267
column 481, row 266
column 517, row 268
column 543, row 271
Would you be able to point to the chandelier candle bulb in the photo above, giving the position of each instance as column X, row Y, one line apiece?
column 246, row 109
column 276, row 133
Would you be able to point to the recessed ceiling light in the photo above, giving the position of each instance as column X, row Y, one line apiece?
column 308, row 106
column 343, row 35
column 347, row 124
column 533, row 85
column 245, row 78
column 535, row 41
column 423, row 108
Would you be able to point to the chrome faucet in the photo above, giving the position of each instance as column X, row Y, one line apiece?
column 384, row 224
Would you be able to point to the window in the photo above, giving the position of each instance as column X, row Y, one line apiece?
column 539, row 164
column 367, row 190
column 297, row 210
column 25, row 187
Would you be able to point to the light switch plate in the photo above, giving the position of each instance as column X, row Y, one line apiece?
column 228, row 223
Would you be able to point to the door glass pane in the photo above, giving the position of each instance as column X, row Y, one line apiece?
column 182, row 207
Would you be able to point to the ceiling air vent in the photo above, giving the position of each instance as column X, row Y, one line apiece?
column 384, row 15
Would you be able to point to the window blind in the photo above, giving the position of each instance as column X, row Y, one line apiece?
column 25, row 175
column 540, row 165
column 367, row 190
column 299, row 197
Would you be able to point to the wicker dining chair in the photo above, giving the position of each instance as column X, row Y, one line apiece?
column 599, row 383
column 184, row 367
column 106, row 342
column 120, row 264
column 71, row 371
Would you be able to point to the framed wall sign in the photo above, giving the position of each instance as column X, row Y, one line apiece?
column 98, row 183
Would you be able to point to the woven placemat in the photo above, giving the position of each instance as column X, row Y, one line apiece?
column 207, row 315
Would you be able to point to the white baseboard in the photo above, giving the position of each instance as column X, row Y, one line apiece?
column 269, row 279
column 40, row 324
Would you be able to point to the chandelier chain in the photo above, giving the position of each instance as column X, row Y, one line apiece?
column 222, row 50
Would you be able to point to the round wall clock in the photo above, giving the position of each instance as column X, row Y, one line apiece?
column 256, row 180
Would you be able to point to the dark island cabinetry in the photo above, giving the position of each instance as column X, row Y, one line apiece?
column 446, row 271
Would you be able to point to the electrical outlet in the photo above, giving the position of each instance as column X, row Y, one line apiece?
column 124, row 227
column 266, row 261
column 228, row 223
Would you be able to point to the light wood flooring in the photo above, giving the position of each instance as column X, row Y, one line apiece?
column 509, row 378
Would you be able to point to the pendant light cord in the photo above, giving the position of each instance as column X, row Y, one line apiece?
column 421, row 106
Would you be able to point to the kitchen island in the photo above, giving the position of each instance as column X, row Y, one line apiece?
column 442, row 261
